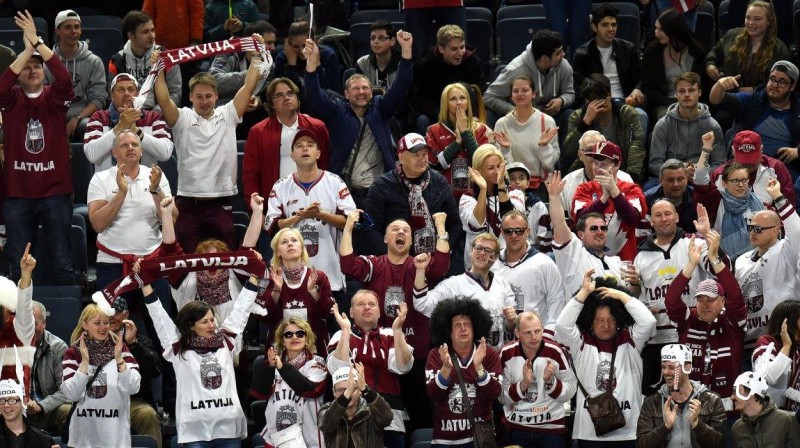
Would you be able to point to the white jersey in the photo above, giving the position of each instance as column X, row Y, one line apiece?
column 288, row 196
column 541, row 229
column 491, row 222
column 536, row 283
column 499, row 295
column 770, row 279
column 573, row 260
column 207, row 404
column 657, row 267
column 594, row 366
column 577, row 177
column 285, row 407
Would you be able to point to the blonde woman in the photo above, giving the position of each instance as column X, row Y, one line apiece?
column 293, row 380
column 100, row 375
column 455, row 137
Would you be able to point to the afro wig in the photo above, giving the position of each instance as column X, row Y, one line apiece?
column 595, row 301
column 446, row 310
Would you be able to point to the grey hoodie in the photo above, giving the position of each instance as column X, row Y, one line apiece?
column 556, row 83
column 140, row 68
column 88, row 79
column 677, row 138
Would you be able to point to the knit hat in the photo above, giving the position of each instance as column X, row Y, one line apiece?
column 608, row 150
column 678, row 353
column 747, row 147
column 8, row 294
column 709, row 288
column 752, row 381
column 412, row 142
column 343, row 374
column 69, row 14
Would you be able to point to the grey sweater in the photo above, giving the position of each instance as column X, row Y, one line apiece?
column 88, row 79
column 677, row 138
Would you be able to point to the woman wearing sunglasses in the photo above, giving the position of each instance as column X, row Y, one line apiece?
column 292, row 379
column 296, row 289
column 729, row 207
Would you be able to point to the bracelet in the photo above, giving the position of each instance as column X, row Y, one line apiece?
column 503, row 190
column 156, row 191
column 707, row 151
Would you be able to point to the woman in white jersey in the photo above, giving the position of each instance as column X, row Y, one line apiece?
column 293, row 380
column 296, row 289
column 208, row 413
column 100, row 375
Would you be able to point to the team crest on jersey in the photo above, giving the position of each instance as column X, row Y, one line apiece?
column 285, row 417
column 460, row 173
column 456, row 400
column 210, row 373
column 99, row 387
column 424, row 240
column 391, row 301
column 310, row 236
column 601, row 377
column 532, row 393
column 34, row 137
column 753, row 292
column 519, row 297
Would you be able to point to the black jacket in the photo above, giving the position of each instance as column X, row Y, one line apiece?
column 654, row 82
column 149, row 366
column 587, row 61
column 33, row 437
column 433, row 74
column 687, row 211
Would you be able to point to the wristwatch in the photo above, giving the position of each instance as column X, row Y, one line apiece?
column 38, row 42
column 443, row 236
column 481, row 373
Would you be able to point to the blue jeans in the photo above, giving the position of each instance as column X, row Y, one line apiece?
column 216, row 443
column 419, row 24
column 574, row 33
column 23, row 217
column 659, row 6
column 531, row 439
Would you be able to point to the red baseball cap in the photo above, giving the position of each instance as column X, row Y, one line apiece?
column 411, row 142
column 747, row 147
column 303, row 132
column 608, row 150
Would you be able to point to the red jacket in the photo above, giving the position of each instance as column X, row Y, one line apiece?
column 440, row 136
column 177, row 22
column 261, row 164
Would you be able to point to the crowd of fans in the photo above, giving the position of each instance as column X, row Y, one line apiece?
column 598, row 246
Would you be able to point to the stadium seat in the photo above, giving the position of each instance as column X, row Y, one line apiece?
column 371, row 15
column 347, row 74
column 238, row 199
column 519, row 12
column 101, row 21
column 71, row 291
column 80, row 252
column 64, row 313
column 240, row 229
column 421, row 435
column 628, row 28
column 82, row 172
column 513, row 35
column 480, row 31
column 140, row 441
column 103, row 42
column 722, row 21
column 11, row 36
column 706, row 29
column 628, row 9
column 241, row 218
column 258, row 410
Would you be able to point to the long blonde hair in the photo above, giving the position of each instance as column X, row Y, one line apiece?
column 90, row 312
column 741, row 47
column 276, row 258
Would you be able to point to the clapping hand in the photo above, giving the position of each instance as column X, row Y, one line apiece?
column 341, row 318
column 476, row 178
column 548, row 136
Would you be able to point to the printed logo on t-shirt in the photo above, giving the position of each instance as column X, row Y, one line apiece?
column 286, row 417
column 34, row 137
column 310, row 236
column 99, row 387
column 456, row 399
column 391, row 301
column 601, row 377
column 210, row 373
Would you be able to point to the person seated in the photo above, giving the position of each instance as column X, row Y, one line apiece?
column 673, row 185
column 544, row 61
column 450, row 61
column 224, row 19
column 381, row 64
column 675, row 134
column 453, row 140
column 291, row 61
column 106, row 124
column 775, row 354
column 86, row 70
column 535, row 209
column 16, row 429
column 773, row 111
column 617, row 122
column 528, row 135
column 761, row 424
column 674, row 50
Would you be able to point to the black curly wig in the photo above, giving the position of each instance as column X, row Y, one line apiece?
column 446, row 310
column 594, row 301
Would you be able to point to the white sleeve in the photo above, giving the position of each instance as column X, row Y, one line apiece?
column 394, row 365
column 791, row 225
column 556, row 299
column 237, row 319
column 567, row 332
column 96, row 192
column 24, row 324
column 466, row 206
column 129, row 381
column 274, row 212
column 508, row 376
column 426, row 302
column 100, row 147
column 569, row 384
column 185, row 292
column 166, row 330
column 771, row 365
column 644, row 322
column 75, row 387
column 344, row 202
column 158, row 147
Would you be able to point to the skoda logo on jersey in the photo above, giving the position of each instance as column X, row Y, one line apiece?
column 310, row 239
column 455, row 401
column 99, row 387
column 210, row 373
column 285, row 417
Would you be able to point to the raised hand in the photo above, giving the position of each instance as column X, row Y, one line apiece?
column 352, row 219
column 272, row 357
column 128, row 117
column 549, row 371
column 694, row 412
column 612, row 293
column 501, row 175
column 447, row 361
column 167, row 205
column 712, row 240
column 694, row 251
column 786, row 338
column 476, row 177
column 527, row 372
column 402, row 313
column 708, row 140
column 548, row 136
column 479, row 355
column 154, row 57
column 119, row 341
column 341, row 318
column 554, row 184
column 122, row 183
column 291, row 56
column 670, row 411
column 27, row 263
column 84, row 366
column 406, row 40
column 24, row 21
column 130, row 331
column 311, row 52
column 257, row 203
column 588, row 283
column 510, row 315
column 155, row 177
column 439, row 219
column 361, row 381
column 422, row 261
column 276, row 275
column 702, row 223
column 774, row 188
column 502, row 139
column 312, row 280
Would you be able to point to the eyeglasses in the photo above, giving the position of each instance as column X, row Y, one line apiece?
column 738, row 181
column 280, row 96
column 486, row 250
column 11, row 401
column 299, row 333
column 780, row 82
column 600, row 228
column 758, row 229
column 514, row 230
column 379, row 38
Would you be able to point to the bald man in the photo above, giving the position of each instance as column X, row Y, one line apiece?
column 768, row 273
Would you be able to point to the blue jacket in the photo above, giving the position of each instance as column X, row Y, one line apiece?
column 328, row 70
column 345, row 125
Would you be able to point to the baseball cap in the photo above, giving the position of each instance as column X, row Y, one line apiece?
column 709, row 288
column 38, row 56
column 304, row 132
column 756, row 384
column 608, row 150
column 124, row 77
column 411, row 142
column 747, row 147
column 677, row 353
column 786, row 67
column 120, row 305
column 518, row 166
column 69, row 14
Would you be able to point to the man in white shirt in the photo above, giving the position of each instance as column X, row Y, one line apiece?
column 205, row 143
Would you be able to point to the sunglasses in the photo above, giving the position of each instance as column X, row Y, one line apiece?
column 758, row 229
column 299, row 333
column 596, row 228
column 514, row 230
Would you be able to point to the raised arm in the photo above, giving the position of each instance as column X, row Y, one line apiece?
column 242, row 97
column 346, row 245
column 561, row 232
column 402, row 351
column 256, row 221
column 169, row 110
column 24, row 323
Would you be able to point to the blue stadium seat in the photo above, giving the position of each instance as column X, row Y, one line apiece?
column 64, row 313
column 140, row 441
column 241, row 218
column 101, row 21
column 103, row 42
column 80, row 252
column 627, row 9
column 628, row 28
column 240, row 229
column 238, row 199
column 369, row 16
column 480, row 31
column 421, row 435
column 170, row 169
column 513, row 35
column 347, row 74
column 722, row 21
column 11, row 36
column 72, row 291
column 706, row 29
column 519, row 11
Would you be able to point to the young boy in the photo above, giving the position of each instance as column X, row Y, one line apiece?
column 538, row 216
